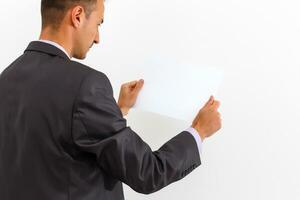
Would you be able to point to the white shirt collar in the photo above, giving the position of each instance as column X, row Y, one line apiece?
column 56, row 45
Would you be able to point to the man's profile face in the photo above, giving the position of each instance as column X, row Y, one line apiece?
column 88, row 33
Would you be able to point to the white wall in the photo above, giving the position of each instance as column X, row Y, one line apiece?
column 256, row 43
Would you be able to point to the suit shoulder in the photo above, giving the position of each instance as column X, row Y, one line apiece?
column 89, row 70
column 92, row 77
column 10, row 66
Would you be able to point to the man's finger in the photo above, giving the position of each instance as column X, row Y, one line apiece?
column 139, row 85
column 131, row 84
column 210, row 101
column 216, row 105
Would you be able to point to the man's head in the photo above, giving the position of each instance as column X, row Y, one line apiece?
column 76, row 21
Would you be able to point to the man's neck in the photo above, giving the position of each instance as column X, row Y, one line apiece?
column 56, row 45
column 59, row 38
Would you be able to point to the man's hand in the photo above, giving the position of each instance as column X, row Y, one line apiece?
column 128, row 95
column 208, row 120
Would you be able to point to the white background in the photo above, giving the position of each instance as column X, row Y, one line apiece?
column 256, row 154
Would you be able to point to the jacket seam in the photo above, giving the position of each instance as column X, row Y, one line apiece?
column 73, row 109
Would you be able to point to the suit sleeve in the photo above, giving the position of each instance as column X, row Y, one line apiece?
column 100, row 129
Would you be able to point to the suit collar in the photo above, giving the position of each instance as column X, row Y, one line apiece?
column 46, row 48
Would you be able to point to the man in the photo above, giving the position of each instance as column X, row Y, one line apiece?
column 63, row 135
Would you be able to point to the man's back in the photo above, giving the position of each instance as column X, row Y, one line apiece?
column 62, row 135
column 37, row 151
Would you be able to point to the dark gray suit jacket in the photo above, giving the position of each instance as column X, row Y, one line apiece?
column 63, row 136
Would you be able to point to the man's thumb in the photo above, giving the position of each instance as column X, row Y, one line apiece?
column 139, row 85
column 210, row 101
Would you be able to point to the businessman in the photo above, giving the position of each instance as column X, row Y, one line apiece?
column 63, row 135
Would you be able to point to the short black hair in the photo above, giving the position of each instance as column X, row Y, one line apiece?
column 53, row 11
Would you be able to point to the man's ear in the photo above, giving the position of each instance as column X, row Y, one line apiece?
column 77, row 15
